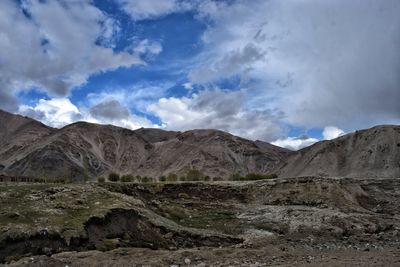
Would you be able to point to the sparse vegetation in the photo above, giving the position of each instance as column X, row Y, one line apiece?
column 172, row 177
column 127, row 178
column 252, row 176
column 235, row 177
column 194, row 175
column 101, row 180
column 145, row 179
column 113, row 177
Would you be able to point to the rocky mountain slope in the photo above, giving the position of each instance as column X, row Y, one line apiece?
column 79, row 150
column 82, row 150
column 373, row 152
column 17, row 133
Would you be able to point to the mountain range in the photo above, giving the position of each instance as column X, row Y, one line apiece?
column 79, row 150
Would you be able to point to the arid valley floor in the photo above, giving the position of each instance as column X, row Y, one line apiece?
column 304, row 221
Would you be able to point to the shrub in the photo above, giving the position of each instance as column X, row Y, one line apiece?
column 271, row 176
column 254, row 176
column 145, row 179
column 172, row 177
column 127, row 178
column 39, row 180
column 61, row 181
column 259, row 176
column 101, row 180
column 163, row 178
column 236, row 177
column 194, row 175
column 113, row 177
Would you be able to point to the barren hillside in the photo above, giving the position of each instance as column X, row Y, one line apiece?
column 84, row 150
column 373, row 152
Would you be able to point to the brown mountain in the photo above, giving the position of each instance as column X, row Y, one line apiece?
column 373, row 152
column 17, row 133
column 29, row 148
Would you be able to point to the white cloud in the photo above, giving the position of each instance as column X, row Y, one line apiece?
column 332, row 132
column 58, row 112
column 237, row 61
column 188, row 86
column 55, row 47
column 319, row 62
column 217, row 109
column 149, row 9
column 295, row 143
column 146, row 46
column 137, row 96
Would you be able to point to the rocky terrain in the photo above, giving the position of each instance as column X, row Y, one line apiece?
column 312, row 219
column 83, row 150
column 372, row 152
column 305, row 221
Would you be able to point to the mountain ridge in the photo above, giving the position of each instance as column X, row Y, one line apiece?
column 82, row 149
column 372, row 152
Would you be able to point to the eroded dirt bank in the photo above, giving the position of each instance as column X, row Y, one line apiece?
column 281, row 221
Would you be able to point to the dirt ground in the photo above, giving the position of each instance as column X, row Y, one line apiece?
column 280, row 222
column 268, row 256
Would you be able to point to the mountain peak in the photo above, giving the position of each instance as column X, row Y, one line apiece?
column 373, row 152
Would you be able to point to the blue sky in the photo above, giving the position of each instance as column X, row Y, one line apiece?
column 286, row 72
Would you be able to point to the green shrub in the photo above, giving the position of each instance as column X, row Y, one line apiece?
column 61, row 180
column 113, row 177
column 163, row 178
column 127, row 178
column 39, row 180
column 236, row 177
column 271, row 176
column 194, row 175
column 145, row 179
column 259, row 176
column 172, row 177
column 254, row 176
column 101, row 180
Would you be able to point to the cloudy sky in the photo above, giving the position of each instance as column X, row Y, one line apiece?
column 289, row 72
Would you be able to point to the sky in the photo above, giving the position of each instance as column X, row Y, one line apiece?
column 288, row 72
